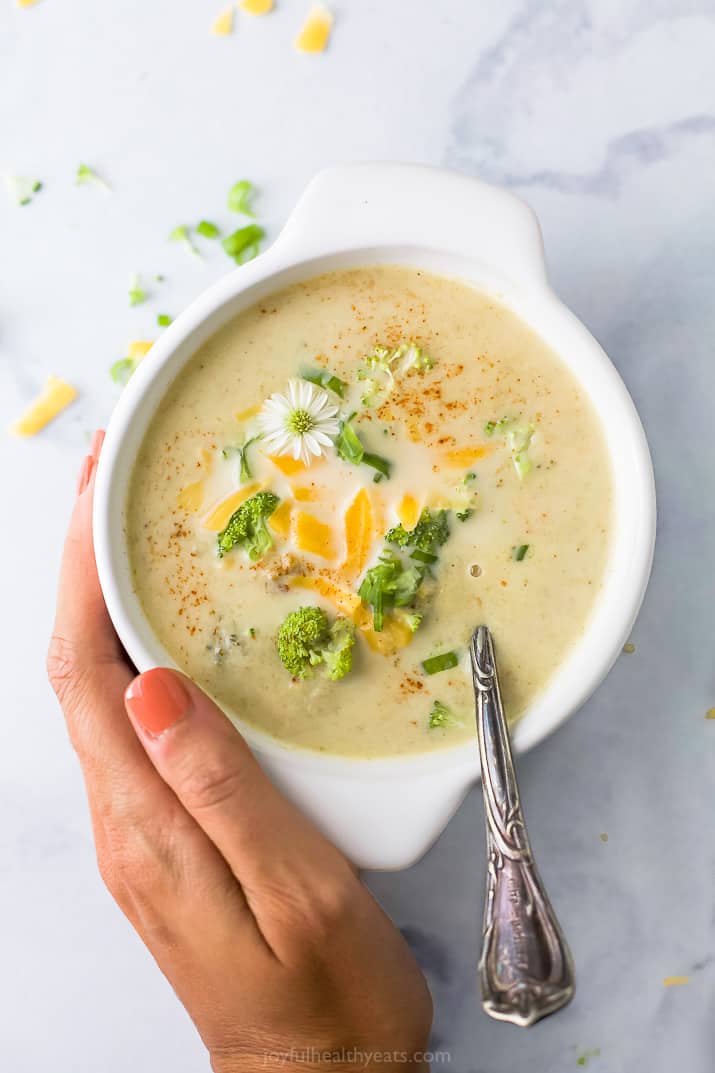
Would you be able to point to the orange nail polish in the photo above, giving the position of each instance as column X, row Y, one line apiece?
column 84, row 474
column 157, row 700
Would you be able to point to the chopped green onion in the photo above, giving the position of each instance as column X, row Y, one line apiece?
column 137, row 294
column 163, row 320
column 462, row 515
column 182, row 234
column 241, row 450
column 239, row 196
column 519, row 552
column 207, row 229
column 379, row 463
column 243, row 244
column 441, row 716
column 323, row 378
column 348, row 444
column 21, row 189
column 444, row 662
column 86, row 175
column 469, row 477
column 423, row 556
column 122, row 370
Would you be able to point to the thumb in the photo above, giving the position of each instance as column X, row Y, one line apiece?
column 202, row 757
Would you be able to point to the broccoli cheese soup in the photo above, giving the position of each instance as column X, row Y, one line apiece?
column 342, row 484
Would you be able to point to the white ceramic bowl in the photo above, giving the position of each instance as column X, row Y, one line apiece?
column 385, row 813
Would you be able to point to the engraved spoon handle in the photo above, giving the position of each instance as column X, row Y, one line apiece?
column 525, row 968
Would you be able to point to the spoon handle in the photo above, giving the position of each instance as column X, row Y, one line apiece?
column 525, row 968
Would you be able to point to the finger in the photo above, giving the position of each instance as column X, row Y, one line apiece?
column 154, row 857
column 267, row 842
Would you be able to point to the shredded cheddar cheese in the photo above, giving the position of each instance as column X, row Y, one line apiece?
column 348, row 603
column 256, row 7
column 358, row 534
column 314, row 536
column 279, row 520
column 139, row 348
column 465, row 456
column 393, row 635
column 675, row 981
column 287, row 465
column 55, row 397
column 191, row 497
column 315, row 34
column 219, row 517
column 408, row 511
column 222, row 25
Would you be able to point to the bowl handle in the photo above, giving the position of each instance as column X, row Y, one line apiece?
column 381, row 822
column 358, row 206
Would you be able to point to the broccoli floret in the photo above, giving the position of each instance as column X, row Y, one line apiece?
column 247, row 526
column 306, row 639
column 430, row 533
column 382, row 363
column 338, row 656
column 441, row 716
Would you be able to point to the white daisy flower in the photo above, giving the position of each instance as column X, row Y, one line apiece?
column 302, row 423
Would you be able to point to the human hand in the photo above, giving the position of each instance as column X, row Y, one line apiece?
column 278, row 952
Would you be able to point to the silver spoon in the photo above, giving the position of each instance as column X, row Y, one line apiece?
column 525, row 968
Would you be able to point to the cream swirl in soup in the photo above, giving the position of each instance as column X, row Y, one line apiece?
column 403, row 457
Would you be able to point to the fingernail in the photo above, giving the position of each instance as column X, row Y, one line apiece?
column 96, row 445
column 84, row 474
column 157, row 700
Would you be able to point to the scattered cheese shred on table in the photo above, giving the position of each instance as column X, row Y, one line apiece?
column 222, row 25
column 315, row 33
column 139, row 348
column 710, row 713
column 56, row 395
column 25, row 3
column 256, row 7
column 675, row 981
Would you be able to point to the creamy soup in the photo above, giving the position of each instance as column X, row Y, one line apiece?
column 496, row 509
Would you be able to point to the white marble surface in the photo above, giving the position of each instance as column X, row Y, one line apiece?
column 602, row 114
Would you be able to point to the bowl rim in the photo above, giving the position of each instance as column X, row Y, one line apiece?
column 267, row 274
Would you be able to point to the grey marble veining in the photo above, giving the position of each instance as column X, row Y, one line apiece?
column 602, row 114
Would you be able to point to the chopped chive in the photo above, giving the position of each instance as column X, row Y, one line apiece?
column 462, row 515
column 137, row 294
column 518, row 553
column 444, row 662
column 423, row 556
column 122, row 370
column 182, row 234
column 239, row 196
column 441, row 716
column 86, row 175
column 323, row 378
column 207, row 229
column 243, row 244
column 163, row 320
column 469, row 477
column 21, row 189
column 379, row 463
